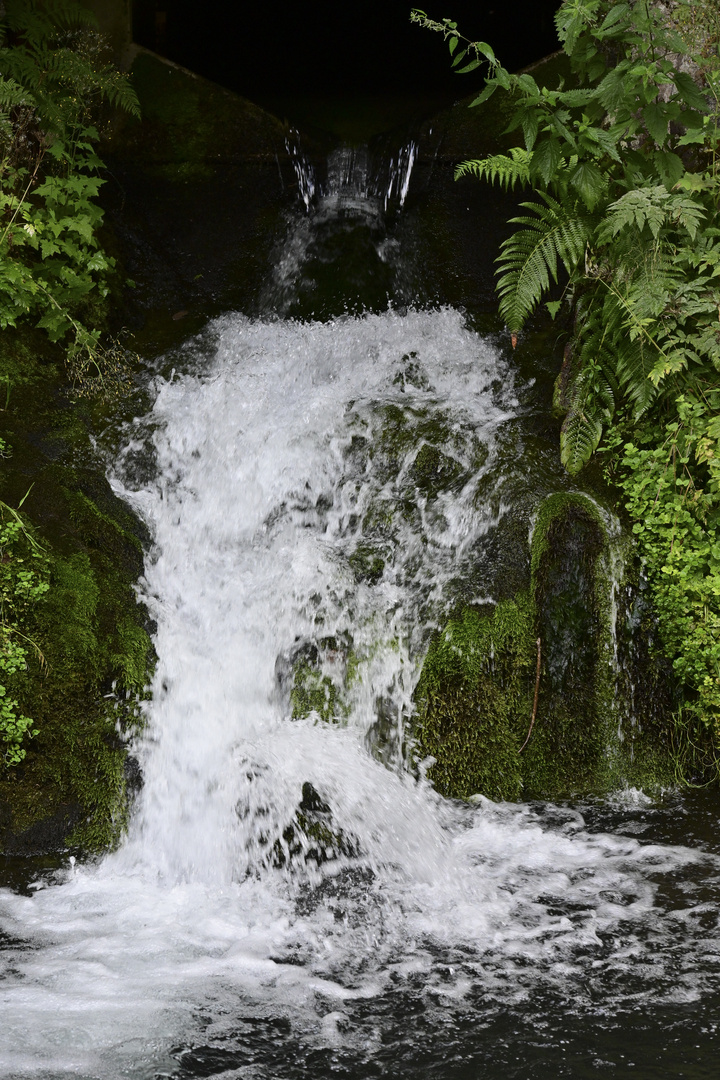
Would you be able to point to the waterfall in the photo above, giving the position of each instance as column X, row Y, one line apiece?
column 355, row 174
column 292, row 896
column 302, row 167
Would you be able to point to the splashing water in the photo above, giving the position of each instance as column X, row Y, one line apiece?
column 272, row 457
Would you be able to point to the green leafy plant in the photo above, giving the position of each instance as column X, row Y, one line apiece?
column 53, row 81
column 622, row 235
column 24, row 575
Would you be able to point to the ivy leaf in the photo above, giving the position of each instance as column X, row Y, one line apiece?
column 612, row 90
column 484, row 48
column 693, row 136
column 545, row 160
column 617, row 12
column 530, row 125
column 488, row 92
column 576, row 99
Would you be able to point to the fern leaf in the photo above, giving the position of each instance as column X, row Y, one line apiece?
column 635, row 356
column 582, row 428
column 528, row 261
column 503, row 169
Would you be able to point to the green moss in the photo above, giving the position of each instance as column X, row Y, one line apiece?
column 474, row 701
column 101, row 531
column 312, row 835
column 367, row 564
column 75, row 767
column 313, row 692
column 433, row 470
column 93, row 655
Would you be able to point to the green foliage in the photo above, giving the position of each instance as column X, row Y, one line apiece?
column 556, row 235
column 670, row 475
column 507, row 170
column 53, row 82
column 23, row 584
column 624, row 170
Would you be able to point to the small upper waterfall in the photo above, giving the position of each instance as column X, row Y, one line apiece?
column 355, row 175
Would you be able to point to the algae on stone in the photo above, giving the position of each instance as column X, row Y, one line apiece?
column 312, row 835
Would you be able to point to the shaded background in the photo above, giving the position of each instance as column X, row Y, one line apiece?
column 284, row 55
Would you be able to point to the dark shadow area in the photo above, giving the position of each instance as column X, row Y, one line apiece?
column 317, row 62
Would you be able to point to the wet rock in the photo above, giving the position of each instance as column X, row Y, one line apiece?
column 311, row 836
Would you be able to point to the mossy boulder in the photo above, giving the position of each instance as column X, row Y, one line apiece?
column 474, row 700
column 569, row 751
column 546, row 696
column 594, row 732
column 88, row 652
column 312, row 836
column 315, row 676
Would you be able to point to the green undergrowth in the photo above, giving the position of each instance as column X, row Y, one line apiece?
column 668, row 472
column 619, row 237
column 55, row 80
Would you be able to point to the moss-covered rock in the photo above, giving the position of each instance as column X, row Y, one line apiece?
column 570, row 747
column 593, row 732
column 90, row 652
column 314, row 677
column 474, row 699
column 547, row 696
column 312, row 836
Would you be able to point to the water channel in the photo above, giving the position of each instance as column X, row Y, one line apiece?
column 437, row 939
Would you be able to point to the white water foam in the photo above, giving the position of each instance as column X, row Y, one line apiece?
column 271, row 458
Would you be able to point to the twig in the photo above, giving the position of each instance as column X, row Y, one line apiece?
column 537, row 694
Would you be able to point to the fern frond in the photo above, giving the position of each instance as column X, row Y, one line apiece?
column 503, row 169
column 651, row 207
column 528, row 261
column 40, row 19
column 635, row 352
column 12, row 94
column 582, row 428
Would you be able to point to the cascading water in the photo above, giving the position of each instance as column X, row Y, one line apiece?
column 291, row 899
